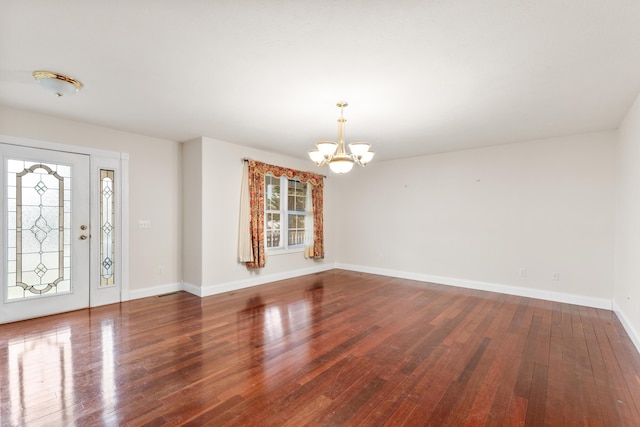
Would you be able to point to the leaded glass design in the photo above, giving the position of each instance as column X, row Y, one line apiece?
column 107, row 231
column 38, row 233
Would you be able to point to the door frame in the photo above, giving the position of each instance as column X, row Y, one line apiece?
column 99, row 159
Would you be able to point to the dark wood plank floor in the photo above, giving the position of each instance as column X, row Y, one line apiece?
column 335, row 348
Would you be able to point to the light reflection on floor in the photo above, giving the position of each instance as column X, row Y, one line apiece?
column 59, row 377
column 109, row 392
column 40, row 377
column 40, row 368
column 272, row 327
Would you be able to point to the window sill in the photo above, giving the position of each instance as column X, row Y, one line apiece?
column 271, row 252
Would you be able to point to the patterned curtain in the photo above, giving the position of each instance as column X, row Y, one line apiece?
column 317, row 201
column 257, row 172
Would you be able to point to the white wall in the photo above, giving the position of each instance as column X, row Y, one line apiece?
column 220, row 180
column 192, row 211
column 472, row 218
column 155, row 183
column 627, row 253
column 477, row 217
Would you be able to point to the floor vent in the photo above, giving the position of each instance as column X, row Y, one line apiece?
column 166, row 295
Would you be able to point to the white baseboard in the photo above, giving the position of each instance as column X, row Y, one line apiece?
column 155, row 290
column 633, row 334
column 441, row 280
column 191, row 288
column 485, row 286
column 225, row 287
column 260, row 280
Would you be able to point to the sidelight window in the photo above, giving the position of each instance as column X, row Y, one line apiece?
column 107, row 227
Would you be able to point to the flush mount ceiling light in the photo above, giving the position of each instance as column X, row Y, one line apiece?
column 333, row 154
column 57, row 83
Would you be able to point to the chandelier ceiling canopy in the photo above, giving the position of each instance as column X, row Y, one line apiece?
column 334, row 154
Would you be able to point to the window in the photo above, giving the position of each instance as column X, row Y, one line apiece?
column 286, row 218
column 252, row 247
column 107, row 224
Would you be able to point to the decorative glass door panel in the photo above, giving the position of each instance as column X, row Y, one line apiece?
column 46, row 251
column 107, row 231
column 38, row 237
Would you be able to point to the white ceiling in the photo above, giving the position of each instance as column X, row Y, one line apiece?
column 420, row 76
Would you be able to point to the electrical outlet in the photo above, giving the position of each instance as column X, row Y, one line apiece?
column 144, row 223
column 556, row 276
column 523, row 272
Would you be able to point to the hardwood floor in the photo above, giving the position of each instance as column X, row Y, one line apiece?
column 334, row 348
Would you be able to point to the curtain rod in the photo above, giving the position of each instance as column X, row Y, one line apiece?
column 246, row 159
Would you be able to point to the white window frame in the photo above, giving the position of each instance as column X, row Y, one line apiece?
column 284, row 218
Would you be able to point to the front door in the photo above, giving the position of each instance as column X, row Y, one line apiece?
column 45, row 240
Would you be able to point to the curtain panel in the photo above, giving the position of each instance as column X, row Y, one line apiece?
column 256, row 174
column 245, row 250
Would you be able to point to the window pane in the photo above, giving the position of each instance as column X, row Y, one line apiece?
column 107, row 232
column 272, row 193
column 296, row 230
column 300, row 203
column 272, row 230
column 297, row 193
column 296, row 221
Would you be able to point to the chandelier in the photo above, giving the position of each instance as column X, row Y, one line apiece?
column 333, row 154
